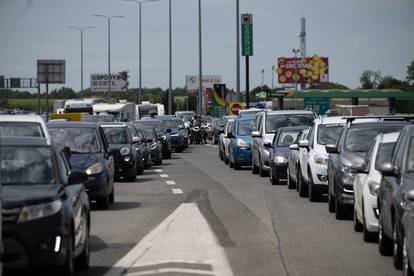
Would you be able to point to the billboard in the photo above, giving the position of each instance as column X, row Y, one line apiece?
column 192, row 82
column 119, row 82
column 303, row 70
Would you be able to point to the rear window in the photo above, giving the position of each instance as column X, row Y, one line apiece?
column 359, row 139
column 410, row 157
column 274, row 122
column 245, row 127
column 21, row 129
column 79, row 140
column 384, row 154
column 116, row 135
column 286, row 138
column 329, row 134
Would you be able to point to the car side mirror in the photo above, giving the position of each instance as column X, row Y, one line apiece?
column 113, row 152
column 409, row 196
column 136, row 139
column 67, row 152
column 304, row 144
column 294, row 147
column 77, row 177
column 267, row 145
column 331, row 148
column 168, row 130
column 149, row 140
column 230, row 135
column 360, row 168
column 388, row 169
column 255, row 133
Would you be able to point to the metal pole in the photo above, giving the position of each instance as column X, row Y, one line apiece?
column 273, row 77
column 247, row 83
column 170, row 99
column 140, row 55
column 47, row 100
column 109, row 60
column 200, row 73
column 82, row 63
column 237, row 50
column 38, row 99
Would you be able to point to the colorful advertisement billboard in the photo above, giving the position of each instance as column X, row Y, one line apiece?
column 303, row 70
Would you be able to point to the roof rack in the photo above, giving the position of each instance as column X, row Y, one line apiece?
column 351, row 119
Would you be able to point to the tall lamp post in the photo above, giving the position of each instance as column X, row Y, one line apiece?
column 237, row 50
column 200, row 60
column 138, row 100
column 273, row 77
column 108, row 18
column 295, row 52
column 81, row 31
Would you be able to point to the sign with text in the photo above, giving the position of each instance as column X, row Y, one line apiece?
column 193, row 82
column 247, row 34
column 51, row 71
column 303, row 70
column 119, row 82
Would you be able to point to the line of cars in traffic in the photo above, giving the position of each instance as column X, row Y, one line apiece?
column 51, row 172
column 364, row 164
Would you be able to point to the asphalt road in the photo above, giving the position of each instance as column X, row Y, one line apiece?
column 199, row 217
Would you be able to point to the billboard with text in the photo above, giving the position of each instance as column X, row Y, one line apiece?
column 303, row 70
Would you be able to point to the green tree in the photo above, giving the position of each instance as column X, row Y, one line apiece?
column 410, row 72
column 389, row 82
column 370, row 79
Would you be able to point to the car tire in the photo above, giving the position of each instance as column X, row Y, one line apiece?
column 407, row 270
column 231, row 164
column 112, row 195
column 179, row 149
column 147, row 164
column 314, row 194
column 340, row 210
column 103, row 203
column 384, row 242
column 303, row 191
column 83, row 260
column 132, row 176
column 273, row 180
column 397, row 248
column 68, row 268
column 226, row 160
column 215, row 141
column 331, row 203
column 236, row 165
column 140, row 171
column 358, row 226
column 366, row 235
column 255, row 169
column 290, row 183
column 262, row 172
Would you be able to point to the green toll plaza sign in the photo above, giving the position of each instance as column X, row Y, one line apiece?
column 318, row 104
column 247, row 34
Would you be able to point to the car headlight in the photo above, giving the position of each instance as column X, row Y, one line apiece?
column 280, row 160
column 348, row 171
column 32, row 212
column 241, row 143
column 125, row 151
column 153, row 146
column 321, row 159
column 164, row 137
column 94, row 169
column 373, row 187
column 174, row 135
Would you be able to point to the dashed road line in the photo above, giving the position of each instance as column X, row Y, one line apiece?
column 158, row 170
column 177, row 191
column 170, row 182
column 164, row 175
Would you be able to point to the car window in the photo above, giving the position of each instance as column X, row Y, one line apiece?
column 359, row 139
column 311, row 136
column 410, row 156
column 287, row 138
column 116, row 135
column 63, row 168
column 329, row 134
column 384, row 153
column 21, row 129
column 79, row 140
column 26, row 165
column 245, row 127
column 274, row 122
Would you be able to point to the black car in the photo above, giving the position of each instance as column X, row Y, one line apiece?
column 351, row 149
column 127, row 158
column 154, row 144
column 161, row 133
column 91, row 154
column 141, row 147
column 177, row 138
column 46, row 211
column 144, row 146
column 397, row 181
column 98, row 118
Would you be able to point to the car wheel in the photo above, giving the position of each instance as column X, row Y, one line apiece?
column 83, row 260
column 103, row 203
column 68, row 269
column 290, row 184
column 303, row 191
column 255, row 169
column 140, row 171
column 231, row 164
column 220, row 155
column 236, row 165
column 262, row 172
column 357, row 224
column 331, row 203
column 179, row 149
column 384, row 242
column 147, row 164
column 132, row 176
column 226, row 160
column 407, row 270
column 366, row 235
column 273, row 179
column 397, row 248
column 112, row 195
column 340, row 210
column 314, row 194
column 215, row 141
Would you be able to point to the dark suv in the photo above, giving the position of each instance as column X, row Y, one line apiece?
column 351, row 149
column 46, row 211
column 397, row 181
column 161, row 134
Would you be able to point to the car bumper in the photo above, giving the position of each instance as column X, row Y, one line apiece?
column 176, row 142
column 243, row 157
column 122, row 167
column 371, row 212
column 279, row 171
column 319, row 175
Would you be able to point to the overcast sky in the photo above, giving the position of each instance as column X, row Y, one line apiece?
column 354, row 34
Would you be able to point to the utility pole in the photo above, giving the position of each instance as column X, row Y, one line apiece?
column 200, row 61
column 238, row 50
column 170, row 97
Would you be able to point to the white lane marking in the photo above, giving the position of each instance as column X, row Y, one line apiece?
column 170, row 182
column 183, row 237
column 173, row 271
column 158, row 170
column 207, row 145
column 163, row 175
column 215, row 146
column 177, row 191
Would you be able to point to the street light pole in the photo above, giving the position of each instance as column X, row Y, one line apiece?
column 109, row 49
column 295, row 52
column 200, row 72
column 238, row 50
column 273, row 77
column 81, row 31
column 170, row 98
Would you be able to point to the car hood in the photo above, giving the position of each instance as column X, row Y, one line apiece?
column 83, row 161
column 282, row 151
column 247, row 139
column 350, row 158
column 15, row 196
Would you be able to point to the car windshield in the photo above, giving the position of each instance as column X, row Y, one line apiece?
column 170, row 124
column 149, row 133
column 98, row 118
column 410, row 157
column 26, row 165
column 384, row 153
column 79, row 140
column 359, row 139
column 286, row 138
column 245, row 127
column 21, row 129
column 116, row 135
column 329, row 134
column 274, row 122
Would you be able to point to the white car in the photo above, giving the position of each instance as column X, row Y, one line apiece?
column 224, row 142
column 366, row 183
column 293, row 160
column 23, row 125
column 314, row 158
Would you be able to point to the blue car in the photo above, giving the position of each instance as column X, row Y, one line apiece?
column 240, row 151
column 279, row 152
